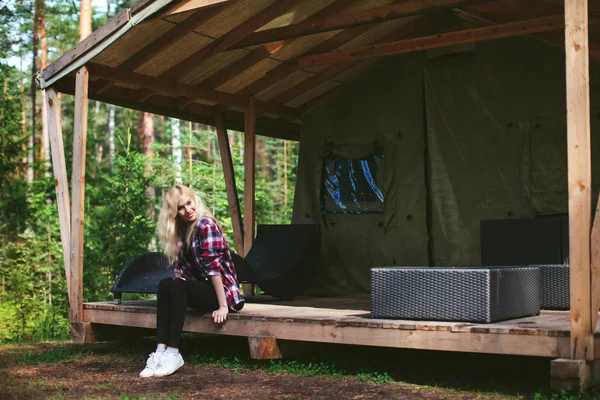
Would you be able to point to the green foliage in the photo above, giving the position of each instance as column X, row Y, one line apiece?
column 119, row 227
column 123, row 194
column 589, row 394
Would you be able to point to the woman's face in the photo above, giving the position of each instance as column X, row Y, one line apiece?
column 186, row 208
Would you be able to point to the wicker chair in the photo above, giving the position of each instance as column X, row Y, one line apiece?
column 142, row 275
column 283, row 259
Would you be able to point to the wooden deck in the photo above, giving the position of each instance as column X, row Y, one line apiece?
column 348, row 321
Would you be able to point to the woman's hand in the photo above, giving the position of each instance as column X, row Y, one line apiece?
column 220, row 315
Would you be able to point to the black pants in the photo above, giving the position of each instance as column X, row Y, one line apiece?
column 174, row 297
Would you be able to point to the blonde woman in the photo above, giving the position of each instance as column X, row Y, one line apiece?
column 205, row 279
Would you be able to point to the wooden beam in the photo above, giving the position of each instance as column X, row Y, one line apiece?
column 334, row 70
column 249, row 182
column 60, row 176
column 579, row 177
column 356, row 18
column 595, row 265
column 268, row 49
column 229, row 39
column 285, row 69
column 188, row 5
column 232, row 195
column 179, row 89
column 78, row 192
column 434, row 41
column 86, row 332
column 242, row 64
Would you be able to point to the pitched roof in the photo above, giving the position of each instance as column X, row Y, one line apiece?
column 183, row 58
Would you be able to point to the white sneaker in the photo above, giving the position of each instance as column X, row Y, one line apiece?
column 152, row 363
column 169, row 363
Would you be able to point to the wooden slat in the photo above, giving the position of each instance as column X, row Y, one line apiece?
column 229, row 39
column 169, row 37
column 334, row 70
column 465, row 36
column 188, row 5
column 249, row 174
column 60, row 177
column 78, row 195
column 242, row 64
column 179, row 89
column 230, row 186
column 286, row 69
column 86, row 45
column 579, row 177
column 380, row 14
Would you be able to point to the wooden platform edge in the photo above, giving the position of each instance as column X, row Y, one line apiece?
column 87, row 333
column 473, row 342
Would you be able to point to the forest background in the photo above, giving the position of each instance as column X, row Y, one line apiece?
column 132, row 159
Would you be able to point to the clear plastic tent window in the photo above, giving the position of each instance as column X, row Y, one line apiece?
column 352, row 186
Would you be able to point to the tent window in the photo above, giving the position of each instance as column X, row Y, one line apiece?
column 352, row 186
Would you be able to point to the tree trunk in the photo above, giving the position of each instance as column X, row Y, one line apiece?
column 176, row 145
column 45, row 148
column 111, row 135
column 146, row 138
column 23, row 131
column 33, row 92
column 85, row 19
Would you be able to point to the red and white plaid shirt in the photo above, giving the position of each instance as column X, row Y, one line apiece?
column 210, row 257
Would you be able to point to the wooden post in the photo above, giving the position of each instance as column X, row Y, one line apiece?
column 60, row 176
column 595, row 260
column 249, row 181
column 78, row 194
column 232, row 196
column 580, row 180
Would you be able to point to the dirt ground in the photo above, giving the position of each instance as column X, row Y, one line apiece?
column 52, row 371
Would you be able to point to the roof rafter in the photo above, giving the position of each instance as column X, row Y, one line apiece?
column 171, row 36
column 229, row 39
column 334, row 70
column 464, row 36
column 284, row 70
column 179, row 89
column 379, row 14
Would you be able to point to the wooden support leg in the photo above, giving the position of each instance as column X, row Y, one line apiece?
column 268, row 348
column 86, row 332
column 248, row 289
column 576, row 374
column 264, row 348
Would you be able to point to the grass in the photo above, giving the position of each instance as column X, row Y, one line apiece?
column 486, row 376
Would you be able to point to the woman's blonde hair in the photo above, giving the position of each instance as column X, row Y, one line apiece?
column 170, row 229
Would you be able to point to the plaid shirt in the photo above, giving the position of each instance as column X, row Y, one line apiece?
column 210, row 256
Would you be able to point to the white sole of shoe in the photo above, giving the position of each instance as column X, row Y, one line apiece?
column 169, row 372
